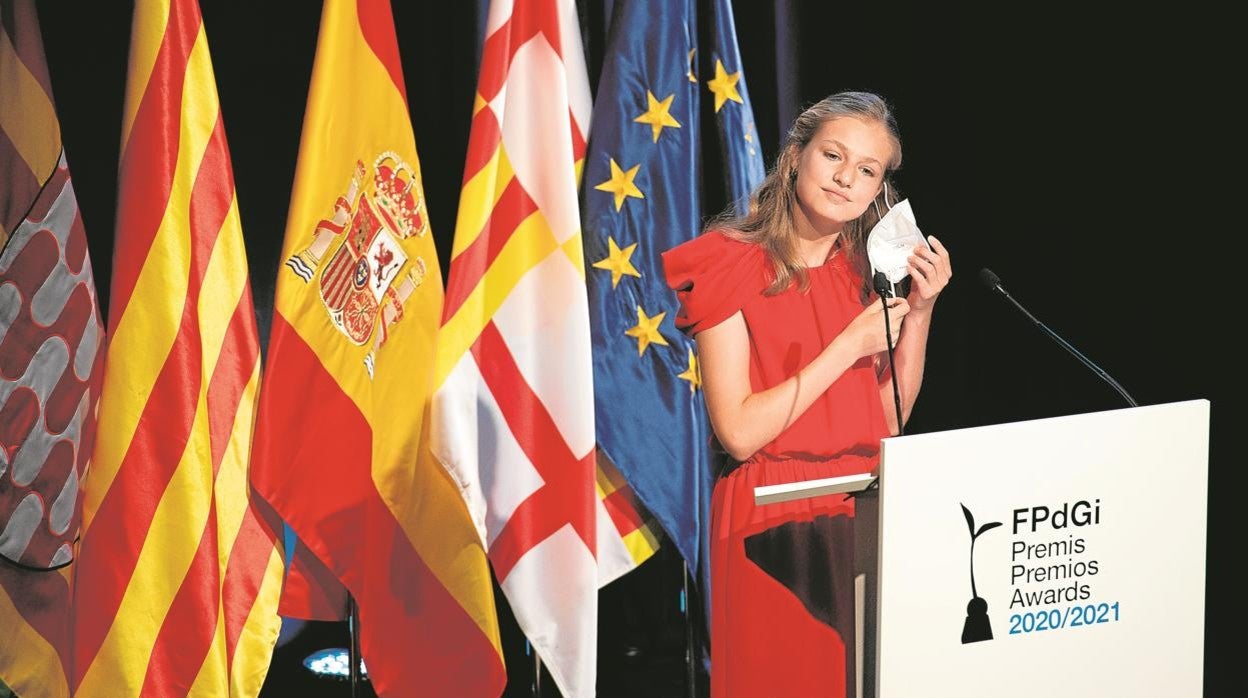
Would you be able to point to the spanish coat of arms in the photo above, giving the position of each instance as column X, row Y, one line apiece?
column 367, row 276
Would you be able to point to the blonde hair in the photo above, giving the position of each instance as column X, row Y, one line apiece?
column 769, row 222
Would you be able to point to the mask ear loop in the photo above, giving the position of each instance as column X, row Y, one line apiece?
column 875, row 202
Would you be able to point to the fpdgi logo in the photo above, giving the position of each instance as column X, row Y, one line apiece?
column 977, row 626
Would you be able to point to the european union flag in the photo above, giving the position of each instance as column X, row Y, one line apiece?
column 742, row 158
column 641, row 197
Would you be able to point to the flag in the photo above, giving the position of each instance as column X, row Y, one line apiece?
column 51, row 354
column 741, row 158
column 177, row 579
column 631, row 522
column 643, row 180
column 341, row 440
column 514, row 411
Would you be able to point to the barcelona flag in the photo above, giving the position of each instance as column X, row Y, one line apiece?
column 513, row 408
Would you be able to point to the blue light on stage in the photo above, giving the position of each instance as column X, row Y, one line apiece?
column 332, row 662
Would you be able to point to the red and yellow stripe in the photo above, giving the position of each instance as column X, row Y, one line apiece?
column 499, row 233
column 178, row 576
column 34, row 615
column 634, row 524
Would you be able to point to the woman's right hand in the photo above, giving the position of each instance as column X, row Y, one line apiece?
column 867, row 330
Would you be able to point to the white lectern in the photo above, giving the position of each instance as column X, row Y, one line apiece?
column 1054, row 557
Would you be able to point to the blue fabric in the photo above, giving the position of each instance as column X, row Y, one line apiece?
column 650, row 422
column 743, row 158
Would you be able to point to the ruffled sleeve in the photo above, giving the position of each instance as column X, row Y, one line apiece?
column 713, row 276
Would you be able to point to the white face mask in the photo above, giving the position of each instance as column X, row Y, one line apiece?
column 892, row 240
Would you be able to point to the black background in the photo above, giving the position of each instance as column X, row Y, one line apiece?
column 1089, row 161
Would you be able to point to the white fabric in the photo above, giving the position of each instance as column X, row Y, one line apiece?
column 892, row 240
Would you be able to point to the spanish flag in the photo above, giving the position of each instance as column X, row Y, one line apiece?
column 177, row 578
column 51, row 360
column 341, row 438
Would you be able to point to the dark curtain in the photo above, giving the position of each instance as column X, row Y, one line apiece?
column 1082, row 159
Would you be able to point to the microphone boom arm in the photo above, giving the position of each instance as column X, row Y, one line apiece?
column 994, row 283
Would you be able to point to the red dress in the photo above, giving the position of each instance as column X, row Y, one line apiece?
column 782, row 578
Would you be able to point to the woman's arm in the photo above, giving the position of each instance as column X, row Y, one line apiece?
column 745, row 421
column 931, row 272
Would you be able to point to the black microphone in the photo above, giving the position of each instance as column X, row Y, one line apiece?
column 993, row 282
column 884, row 289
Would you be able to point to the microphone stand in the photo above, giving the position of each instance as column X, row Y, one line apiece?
column 882, row 288
column 993, row 282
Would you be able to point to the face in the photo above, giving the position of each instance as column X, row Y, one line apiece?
column 840, row 171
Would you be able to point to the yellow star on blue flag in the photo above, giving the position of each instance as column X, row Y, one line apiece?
column 646, row 331
column 658, row 114
column 693, row 374
column 724, row 85
column 617, row 262
column 620, row 184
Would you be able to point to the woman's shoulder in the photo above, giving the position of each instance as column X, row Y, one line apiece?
column 714, row 275
column 710, row 252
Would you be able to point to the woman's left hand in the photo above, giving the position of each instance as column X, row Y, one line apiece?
column 931, row 271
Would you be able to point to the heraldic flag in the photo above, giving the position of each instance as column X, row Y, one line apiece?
column 340, row 442
column 51, row 360
column 177, row 581
column 643, row 196
column 514, row 411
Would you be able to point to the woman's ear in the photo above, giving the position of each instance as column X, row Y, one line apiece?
column 792, row 156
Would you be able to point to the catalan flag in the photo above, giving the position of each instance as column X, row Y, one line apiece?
column 51, row 358
column 514, row 411
column 643, row 196
column 177, row 579
column 341, row 440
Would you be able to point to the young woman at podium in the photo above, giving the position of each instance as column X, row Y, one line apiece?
column 792, row 344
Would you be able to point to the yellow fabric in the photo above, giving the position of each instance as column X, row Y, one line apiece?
column 28, row 663
column 27, row 116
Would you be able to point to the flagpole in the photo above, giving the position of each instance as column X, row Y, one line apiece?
column 353, row 654
column 690, row 675
column 537, row 671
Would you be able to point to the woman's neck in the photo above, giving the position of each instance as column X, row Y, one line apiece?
column 815, row 246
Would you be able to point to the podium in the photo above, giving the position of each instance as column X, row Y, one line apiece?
column 1053, row 557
